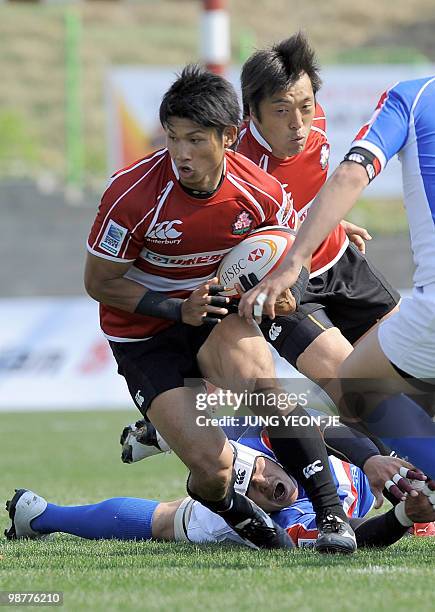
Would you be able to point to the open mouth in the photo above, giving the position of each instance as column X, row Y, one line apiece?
column 279, row 492
column 185, row 170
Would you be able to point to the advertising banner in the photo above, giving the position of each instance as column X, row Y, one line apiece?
column 349, row 95
column 53, row 356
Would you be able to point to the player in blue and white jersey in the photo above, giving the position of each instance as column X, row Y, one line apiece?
column 259, row 476
column 402, row 348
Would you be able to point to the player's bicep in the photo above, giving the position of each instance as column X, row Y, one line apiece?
column 101, row 272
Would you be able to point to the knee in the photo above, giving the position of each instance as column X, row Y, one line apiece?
column 237, row 351
column 210, row 476
column 324, row 357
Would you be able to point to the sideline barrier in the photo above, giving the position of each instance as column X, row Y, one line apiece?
column 53, row 356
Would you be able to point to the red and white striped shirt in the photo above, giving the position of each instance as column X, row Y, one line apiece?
column 175, row 241
column 302, row 176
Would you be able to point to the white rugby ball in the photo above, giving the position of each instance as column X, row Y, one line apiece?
column 260, row 252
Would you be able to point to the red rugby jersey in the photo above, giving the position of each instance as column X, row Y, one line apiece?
column 173, row 240
column 302, row 176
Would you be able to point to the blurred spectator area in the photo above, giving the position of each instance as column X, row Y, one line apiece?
column 164, row 32
column 44, row 227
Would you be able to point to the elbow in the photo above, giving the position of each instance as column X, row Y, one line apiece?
column 352, row 175
column 92, row 288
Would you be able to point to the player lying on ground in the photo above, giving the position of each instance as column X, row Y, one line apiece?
column 401, row 352
column 258, row 476
column 141, row 440
column 162, row 227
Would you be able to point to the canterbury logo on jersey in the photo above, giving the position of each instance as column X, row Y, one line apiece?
column 165, row 231
column 183, row 261
column 312, row 469
column 240, row 476
column 274, row 331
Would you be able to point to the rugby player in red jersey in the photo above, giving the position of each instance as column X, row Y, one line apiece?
column 285, row 134
column 162, row 227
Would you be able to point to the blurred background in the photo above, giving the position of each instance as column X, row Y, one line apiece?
column 80, row 87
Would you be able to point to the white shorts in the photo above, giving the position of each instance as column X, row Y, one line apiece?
column 194, row 522
column 408, row 337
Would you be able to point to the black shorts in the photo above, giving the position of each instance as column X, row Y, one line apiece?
column 352, row 295
column 161, row 363
column 292, row 334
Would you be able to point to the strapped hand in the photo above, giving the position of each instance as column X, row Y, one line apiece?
column 204, row 305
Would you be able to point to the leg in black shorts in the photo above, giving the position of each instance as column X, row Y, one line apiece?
column 351, row 296
column 164, row 362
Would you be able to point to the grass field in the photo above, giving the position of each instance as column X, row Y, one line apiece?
column 73, row 458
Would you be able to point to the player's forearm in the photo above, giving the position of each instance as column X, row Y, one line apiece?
column 381, row 530
column 331, row 205
column 348, row 444
column 117, row 292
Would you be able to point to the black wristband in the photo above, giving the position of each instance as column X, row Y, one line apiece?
column 364, row 158
column 154, row 304
column 300, row 285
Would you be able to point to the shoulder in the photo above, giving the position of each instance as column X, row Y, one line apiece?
column 244, row 171
column 143, row 171
column 318, row 136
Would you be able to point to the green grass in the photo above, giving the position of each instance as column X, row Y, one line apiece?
column 74, row 458
column 380, row 216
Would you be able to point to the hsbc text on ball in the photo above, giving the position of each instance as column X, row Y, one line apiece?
column 234, row 271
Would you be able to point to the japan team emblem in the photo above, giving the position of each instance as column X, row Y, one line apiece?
column 324, row 156
column 242, row 223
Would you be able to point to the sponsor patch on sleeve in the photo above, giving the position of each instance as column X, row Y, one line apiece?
column 113, row 238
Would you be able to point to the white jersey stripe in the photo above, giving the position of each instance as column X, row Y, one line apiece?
column 418, row 96
column 250, row 197
column 164, row 284
column 107, row 217
column 163, row 197
column 109, row 257
column 117, row 339
column 333, row 261
column 260, row 190
column 134, row 229
column 317, row 129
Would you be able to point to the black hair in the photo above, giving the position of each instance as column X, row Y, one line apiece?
column 203, row 97
column 269, row 71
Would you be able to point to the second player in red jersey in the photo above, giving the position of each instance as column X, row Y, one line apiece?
column 285, row 133
column 302, row 176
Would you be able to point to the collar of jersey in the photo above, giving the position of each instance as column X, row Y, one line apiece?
column 258, row 137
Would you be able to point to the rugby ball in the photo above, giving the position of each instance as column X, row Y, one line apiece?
column 260, row 252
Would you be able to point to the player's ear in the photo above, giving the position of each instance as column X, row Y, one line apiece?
column 229, row 135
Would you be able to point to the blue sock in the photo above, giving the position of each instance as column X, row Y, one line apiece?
column 406, row 428
column 123, row 518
